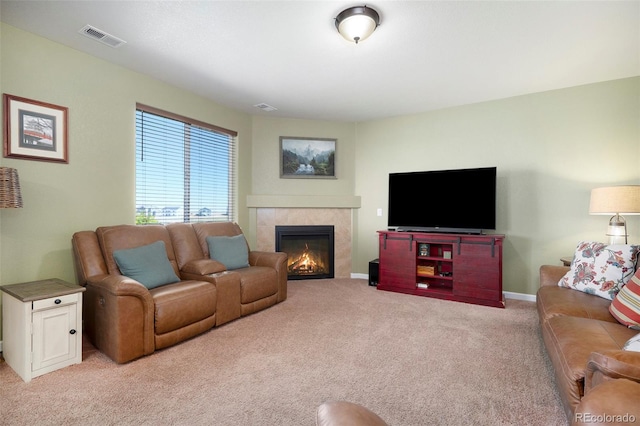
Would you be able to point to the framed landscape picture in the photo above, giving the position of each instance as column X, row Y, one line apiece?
column 307, row 158
column 35, row 130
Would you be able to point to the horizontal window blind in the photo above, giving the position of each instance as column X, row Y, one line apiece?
column 185, row 169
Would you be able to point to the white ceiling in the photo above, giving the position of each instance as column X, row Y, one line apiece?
column 425, row 55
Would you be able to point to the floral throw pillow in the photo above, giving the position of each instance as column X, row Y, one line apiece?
column 601, row 269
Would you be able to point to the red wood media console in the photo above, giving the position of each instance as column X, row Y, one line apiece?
column 464, row 268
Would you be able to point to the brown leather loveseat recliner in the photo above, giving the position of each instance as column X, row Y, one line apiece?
column 126, row 320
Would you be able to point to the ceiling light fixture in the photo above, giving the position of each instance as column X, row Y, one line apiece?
column 357, row 23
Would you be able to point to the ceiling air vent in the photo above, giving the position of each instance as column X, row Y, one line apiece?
column 266, row 107
column 101, row 36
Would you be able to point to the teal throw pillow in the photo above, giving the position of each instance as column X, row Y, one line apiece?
column 149, row 265
column 232, row 252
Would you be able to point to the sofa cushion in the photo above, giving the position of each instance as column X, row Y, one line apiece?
column 122, row 237
column 214, row 229
column 232, row 252
column 625, row 307
column 148, row 264
column 553, row 301
column 179, row 305
column 600, row 269
column 257, row 282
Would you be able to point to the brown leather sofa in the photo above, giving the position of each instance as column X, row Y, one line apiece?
column 598, row 381
column 126, row 320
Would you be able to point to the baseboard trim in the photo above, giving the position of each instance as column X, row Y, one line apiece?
column 519, row 296
column 507, row 294
column 360, row 276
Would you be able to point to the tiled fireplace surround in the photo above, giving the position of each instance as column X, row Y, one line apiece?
column 340, row 218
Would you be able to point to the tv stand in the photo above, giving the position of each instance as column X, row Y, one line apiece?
column 464, row 268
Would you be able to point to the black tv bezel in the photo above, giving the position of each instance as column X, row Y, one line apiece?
column 432, row 228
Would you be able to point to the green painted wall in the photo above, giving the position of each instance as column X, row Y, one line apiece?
column 550, row 148
column 266, row 150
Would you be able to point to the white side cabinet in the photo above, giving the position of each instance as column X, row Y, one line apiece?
column 41, row 326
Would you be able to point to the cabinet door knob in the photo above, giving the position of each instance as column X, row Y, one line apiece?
column 72, row 331
column 57, row 301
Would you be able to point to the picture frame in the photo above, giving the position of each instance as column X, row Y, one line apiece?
column 307, row 158
column 35, row 130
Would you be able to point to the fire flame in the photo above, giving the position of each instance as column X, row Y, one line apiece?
column 306, row 263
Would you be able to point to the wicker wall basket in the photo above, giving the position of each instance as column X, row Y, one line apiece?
column 10, row 195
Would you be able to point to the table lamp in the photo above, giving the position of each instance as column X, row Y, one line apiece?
column 616, row 200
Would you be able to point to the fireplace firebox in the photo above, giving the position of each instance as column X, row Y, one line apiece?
column 309, row 250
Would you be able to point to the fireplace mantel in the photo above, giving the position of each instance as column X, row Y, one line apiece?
column 304, row 201
column 268, row 211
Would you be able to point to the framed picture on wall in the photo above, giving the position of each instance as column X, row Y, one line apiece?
column 35, row 130
column 307, row 158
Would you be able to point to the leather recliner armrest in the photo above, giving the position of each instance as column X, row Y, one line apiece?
column 609, row 365
column 119, row 317
column 119, row 285
column 276, row 260
column 612, row 403
column 267, row 258
column 551, row 274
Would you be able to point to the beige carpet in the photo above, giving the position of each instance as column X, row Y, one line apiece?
column 412, row 360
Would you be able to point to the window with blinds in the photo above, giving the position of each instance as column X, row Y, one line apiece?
column 185, row 169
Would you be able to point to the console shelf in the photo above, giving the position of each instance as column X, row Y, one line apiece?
column 464, row 268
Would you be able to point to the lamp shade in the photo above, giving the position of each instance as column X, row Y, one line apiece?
column 357, row 23
column 612, row 200
column 10, row 195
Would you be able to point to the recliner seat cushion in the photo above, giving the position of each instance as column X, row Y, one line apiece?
column 257, row 282
column 180, row 304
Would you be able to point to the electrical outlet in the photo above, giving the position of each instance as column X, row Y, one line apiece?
column 379, row 212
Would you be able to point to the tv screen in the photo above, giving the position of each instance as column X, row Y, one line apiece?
column 462, row 200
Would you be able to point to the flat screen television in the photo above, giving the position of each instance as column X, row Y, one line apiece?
column 456, row 201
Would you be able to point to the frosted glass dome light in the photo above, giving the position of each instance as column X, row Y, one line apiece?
column 357, row 23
